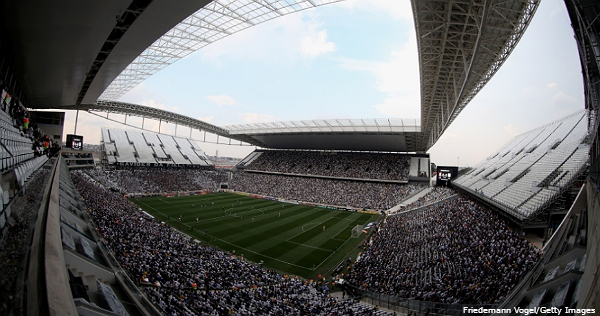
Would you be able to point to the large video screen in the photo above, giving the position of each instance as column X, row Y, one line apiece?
column 445, row 175
column 75, row 142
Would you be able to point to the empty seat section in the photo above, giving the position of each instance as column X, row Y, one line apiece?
column 197, row 149
column 186, row 149
column 145, row 152
column 171, row 148
column 125, row 150
column 528, row 172
column 154, row 142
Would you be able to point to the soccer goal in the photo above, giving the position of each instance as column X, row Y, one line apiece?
column 356, row 231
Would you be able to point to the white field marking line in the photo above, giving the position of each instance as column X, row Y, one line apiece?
column 187, row 210
column 275, row 259
column 241, row 212
column 262, row 210
column 338, row 239
column 340, row 233
column 164, row 201
column 344, row 219
column 157, row 211
column 200, row 200
column 246, row 249
column 304, row 231
column 307, row 246
column 317, row 224
column 340, row 247
column 212, row 218
column 260, row 254
column 229, row 214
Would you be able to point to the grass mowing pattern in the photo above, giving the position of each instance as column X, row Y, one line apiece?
column 287, row 237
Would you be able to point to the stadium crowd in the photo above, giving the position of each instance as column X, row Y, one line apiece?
column 183, row 277
column 335, row 164
column 357, row 194
column 452, row 252
column 151, row 181
column 435, row 194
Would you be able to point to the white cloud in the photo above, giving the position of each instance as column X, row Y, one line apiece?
column 257, row 118
column 397, row 78
column 221, row 99
column 140, row 92
column 552, row 85
column 288, row 38
column 562, row 98
column 316, row 44
column 394, row 8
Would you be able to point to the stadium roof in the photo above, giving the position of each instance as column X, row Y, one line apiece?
column 106, row 48
column 68, row 52
column 462, row 44
column 398, row 135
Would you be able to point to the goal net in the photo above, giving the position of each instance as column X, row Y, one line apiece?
column 356, row 231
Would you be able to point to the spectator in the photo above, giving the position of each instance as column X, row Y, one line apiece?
column 454, row 252
column 356, row 194
column 169, row 266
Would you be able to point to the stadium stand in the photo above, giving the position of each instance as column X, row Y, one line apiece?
column 556, row 280
column 150, row 149
column 453, row 252
column 350, row 165
column 172, row 150
column 144, row 152
column 249, row 159
column 152, row 181
column 109, row 147
column 236, row 286
column 190, row 152
column 23, row 150
column 534, row 168
column 78, row 158
column 435, row 194
column 331, row 192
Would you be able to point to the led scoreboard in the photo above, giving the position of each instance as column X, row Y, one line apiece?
column 75, row 142
column 445, row 175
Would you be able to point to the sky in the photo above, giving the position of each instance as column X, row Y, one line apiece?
column 356, row 59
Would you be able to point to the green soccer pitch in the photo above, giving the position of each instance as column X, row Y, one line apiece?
column 294, row 239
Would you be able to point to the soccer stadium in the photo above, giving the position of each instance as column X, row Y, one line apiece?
column 319, row 216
